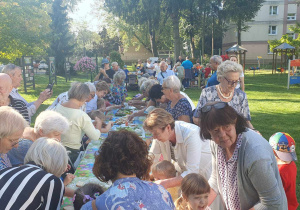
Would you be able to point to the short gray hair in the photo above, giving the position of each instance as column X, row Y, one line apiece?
column 79, row 91
column 173, row 83
column 11, row 121
column 141, row 81
column 163, row 62
column 50, row 154
column 119, row 76
column 217, row 59
column 10, row 69
column 228, row 66
column 49, row 121
column 147, row 85
column 91, row 86
column 114, row 63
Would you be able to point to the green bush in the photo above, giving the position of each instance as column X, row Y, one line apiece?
column 116, row 57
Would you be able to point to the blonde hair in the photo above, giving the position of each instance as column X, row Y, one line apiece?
column 192, row 184
column 226, row 67
column 102, row 85
column 96, row 113
column 166, row 168
column 172, row 82
column 100, row 102
column 49, row 154
column 11, row 121
column 49, row 121
column 159, row 118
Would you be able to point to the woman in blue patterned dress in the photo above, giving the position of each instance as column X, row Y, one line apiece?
column 118, row 91
column 228, row 75
column 123, row 158
column 178, row 106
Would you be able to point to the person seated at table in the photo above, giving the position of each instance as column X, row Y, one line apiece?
column 48, row 124
column 12, row 125
column 123, row 158
column 102, row 89
column 37, row 184
column 179, row 142
column 80, row 122
column 64, row 97
column 86, row 193
column 118, row 91
column 178, row 105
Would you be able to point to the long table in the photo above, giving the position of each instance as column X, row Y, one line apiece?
column 84, row 173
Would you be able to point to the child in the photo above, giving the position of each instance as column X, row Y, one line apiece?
column 285, row 152
column 195, row 190
column 165, row 170
column 85, row 194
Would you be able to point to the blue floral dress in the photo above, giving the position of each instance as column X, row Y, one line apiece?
column 117, row 93
column 239, row 101
column 133, row 193
column 182, row 107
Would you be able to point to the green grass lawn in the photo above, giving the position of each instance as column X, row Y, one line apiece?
column 273, row 108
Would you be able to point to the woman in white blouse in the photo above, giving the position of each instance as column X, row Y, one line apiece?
column 180, row 143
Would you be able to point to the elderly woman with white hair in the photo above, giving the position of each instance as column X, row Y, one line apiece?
column 48, row 124
column 228, row 75
column 37, row 184
column 12, row 125
column 178, row 106
column 63, row 97
column 80, row 122
column 118, row 91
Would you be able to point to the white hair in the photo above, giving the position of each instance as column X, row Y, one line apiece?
column 114, row 63
column 173, row 83
column 91, row 86
column 49, row 154
column 147, row 85
column 217, row 59
column 141, row 81
column 10, row 69
column 228, row 66
column 119, row 76
column 49, row 121
column 11, row 121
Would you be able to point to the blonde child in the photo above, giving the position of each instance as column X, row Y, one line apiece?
column 285, row 152
column 195, row 190
column 165, row 170
column 101, row 106
column 86, row 193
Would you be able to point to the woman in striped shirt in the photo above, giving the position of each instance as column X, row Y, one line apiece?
column 35, row 185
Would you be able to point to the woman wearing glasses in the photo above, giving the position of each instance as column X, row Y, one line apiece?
column 244, row 168
column 228, row 75
column 118, row 91
column 12, row 125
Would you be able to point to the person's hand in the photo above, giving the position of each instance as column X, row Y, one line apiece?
column 102, row 71
column 130, row 117
column 45, row 95
column 68, row 179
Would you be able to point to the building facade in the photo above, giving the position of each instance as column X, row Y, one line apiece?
column 271, row 22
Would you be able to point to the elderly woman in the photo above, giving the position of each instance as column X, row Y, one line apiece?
column 63, row 97
column 241, row 83
column 48, row 124
column 178, row 105
column 118, row 91
column 228, row 74
column 179, row 142
column 244, row 167
column 37, row 184
column 12, row 125
column 80, row 122
column 123, row 158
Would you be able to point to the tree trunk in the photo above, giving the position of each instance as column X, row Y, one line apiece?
column 191, row 34
column 203, row 35
column 175, row 22
column 152, row 40
column 239, row 31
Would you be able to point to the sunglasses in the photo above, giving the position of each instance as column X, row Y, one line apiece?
column 219, row 105
column 232, row 83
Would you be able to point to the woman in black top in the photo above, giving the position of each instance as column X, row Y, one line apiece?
column 35, row 185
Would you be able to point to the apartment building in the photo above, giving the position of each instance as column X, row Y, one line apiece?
column 271, row 22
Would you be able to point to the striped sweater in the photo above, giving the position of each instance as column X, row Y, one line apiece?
column 29, row 187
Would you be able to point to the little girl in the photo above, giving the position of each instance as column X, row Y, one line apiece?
column 85, row 194
column 195, row 190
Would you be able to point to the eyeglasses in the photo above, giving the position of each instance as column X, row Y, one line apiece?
column 232, row 83
column 14, row 142
column 164, row 88
column 92, row 95
column 219, row 105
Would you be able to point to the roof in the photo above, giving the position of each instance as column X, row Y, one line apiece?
column 236, row 48
column 284, row 46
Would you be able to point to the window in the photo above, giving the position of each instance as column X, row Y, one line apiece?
column 291, row 35
column 291, row 16
column 272, row 30
column 269, row 50
column 273, row 10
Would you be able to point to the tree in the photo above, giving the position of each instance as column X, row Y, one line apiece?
column 240, row 12
column 61, row 37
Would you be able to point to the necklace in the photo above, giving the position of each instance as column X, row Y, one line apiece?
column 220, row 91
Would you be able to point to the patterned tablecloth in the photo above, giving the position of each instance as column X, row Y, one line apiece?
column 84, row 173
